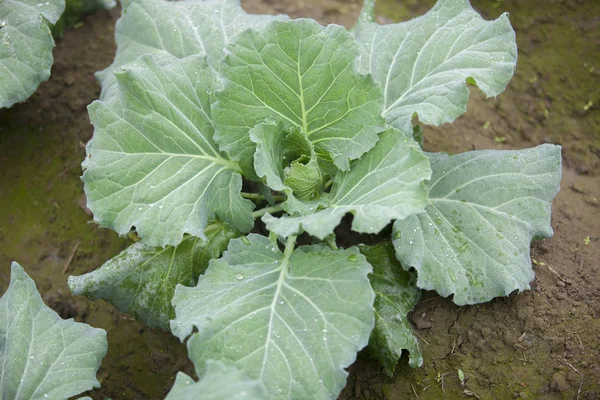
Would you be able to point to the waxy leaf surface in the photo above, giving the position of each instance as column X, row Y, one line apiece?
column 305, row 75
column 41, row 355
column 396, row 294
column 221, row 382
column 424, row 64
column 292, row 320
column 152, row 163
column 179, row 29
column 141, row 280
column 484, row 209
column 25, row 46
column 385, row 184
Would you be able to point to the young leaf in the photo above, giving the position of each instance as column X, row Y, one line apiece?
column 269, row 137
column 396, row 294
column 218, row 383
column 305, row 75
column 152, row 163
column 25, row 46
column 142, row 279
column 424, row 64
column 41, row 355
column 292, row 320
column 276, row 147
column 484, row 209
column 385, row 184
column 179, row 29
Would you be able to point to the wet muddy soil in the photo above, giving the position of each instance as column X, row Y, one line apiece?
column 541, row 344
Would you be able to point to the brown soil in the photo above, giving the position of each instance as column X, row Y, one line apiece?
column 541, row 344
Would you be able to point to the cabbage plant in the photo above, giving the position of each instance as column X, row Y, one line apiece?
column 233, row 145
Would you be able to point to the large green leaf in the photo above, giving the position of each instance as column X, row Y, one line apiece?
column 305, row 75
column 25, row 46
column 396, row 294
column 41, row 355
column 484, row 209
column 141, row 280
column 386, row 184
column 424, row 64
column 177, row 28
column 220, row 382
column 293, row 320
column 152, row 163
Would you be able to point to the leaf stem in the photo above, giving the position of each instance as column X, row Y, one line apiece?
column 289, row 247
column 330, row 240
column 260, row 197
column 252, row 196
column 263, row 211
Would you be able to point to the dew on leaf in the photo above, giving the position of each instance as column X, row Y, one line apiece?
column 239, row 276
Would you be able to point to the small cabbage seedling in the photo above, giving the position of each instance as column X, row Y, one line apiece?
column 211, row 119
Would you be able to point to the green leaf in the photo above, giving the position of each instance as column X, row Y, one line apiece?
column 25, row 46
column 141, row 280
column 179, row 29
column 305, row 75
column 396, row 294
column 152, row 163
column 286, row 160
column 41, row 355
column 424, row 64
column 293, row 320
column 269, row 137
column 303, row 176
column 484, row 209
column 220, row 382
column 386, row 184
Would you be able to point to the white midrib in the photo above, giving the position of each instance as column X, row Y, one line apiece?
column 284, row 269
column 214, row 160
column 304, row 121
